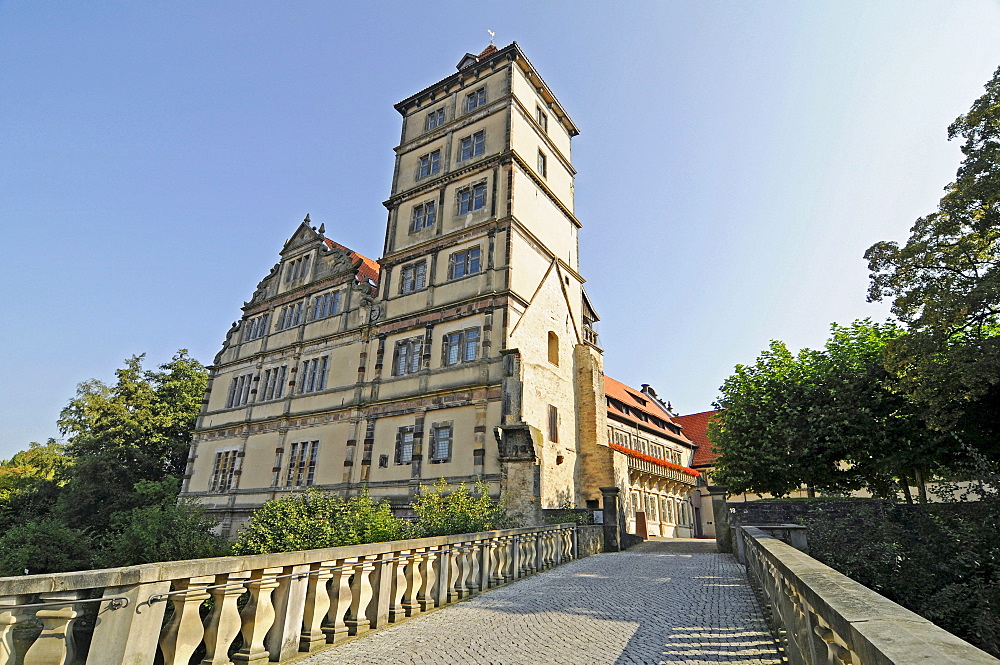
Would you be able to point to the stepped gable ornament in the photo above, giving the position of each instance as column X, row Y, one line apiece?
column 261, row 291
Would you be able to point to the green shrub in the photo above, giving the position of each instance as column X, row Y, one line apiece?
column 441, row 512
column 313, row 520
column 43, row 545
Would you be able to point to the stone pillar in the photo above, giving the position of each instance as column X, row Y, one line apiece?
column 612, row 533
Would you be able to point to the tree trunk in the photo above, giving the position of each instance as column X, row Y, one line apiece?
column 921, row 486
column 810, row 492
column 904, row 484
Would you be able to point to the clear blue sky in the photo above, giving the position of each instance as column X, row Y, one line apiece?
column 735, row 161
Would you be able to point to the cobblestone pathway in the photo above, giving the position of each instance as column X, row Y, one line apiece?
column 661, row 602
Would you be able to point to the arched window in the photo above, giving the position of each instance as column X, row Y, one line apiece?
column 553, row 348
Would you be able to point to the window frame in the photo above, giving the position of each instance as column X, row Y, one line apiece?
column 466, row 259
column 324, row 305
column 410, row 352
column 302, row 459
column 435, row 456
column 223, row 471
column 417, row 279
column 425, row 213
column 471, row 198
column 543, row 164
column 464, row 343
column 429, row 164
column 472, row 146
column 314, row 373
column 475, row 99
column 553, row 424
column 403, row 456
column 434, row 119
column 541, row 118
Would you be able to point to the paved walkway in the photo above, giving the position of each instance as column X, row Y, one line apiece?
column 667, row 601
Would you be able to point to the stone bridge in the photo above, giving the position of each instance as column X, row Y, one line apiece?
column 536, row 595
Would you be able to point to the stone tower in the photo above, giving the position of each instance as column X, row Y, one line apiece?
column 469, row 355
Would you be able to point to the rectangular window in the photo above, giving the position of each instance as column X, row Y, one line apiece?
column 290, row 316
column 314, row 375
column 413, row 277
column 255, row 328
column 279, row 454
column 239, row 390
column 223, row 472
column 273, row 384
column 296, row 269
column 472, row 146
column 474, row 100
column 542, row 166
column 465, row 262
column 471, row 198
column 325, row 305
column 404, row 445
column 302, row 464
column 434, row 119
column 460, row 347
column 441, row 444
column 553, row 424
column 406, row 359
column 430, row 164
column 424, row 216
column 542, row 119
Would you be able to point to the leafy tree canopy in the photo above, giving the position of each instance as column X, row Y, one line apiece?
column 137, row 429
column 826, row 419
column 44, row 545
column 944, row 283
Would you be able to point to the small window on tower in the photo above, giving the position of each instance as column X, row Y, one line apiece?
column 553, row 348
column 542, row 165
column 435, row 119
column 542, row 119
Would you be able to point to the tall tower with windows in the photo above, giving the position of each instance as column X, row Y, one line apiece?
column 465, row 353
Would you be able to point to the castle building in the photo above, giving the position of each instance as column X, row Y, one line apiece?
column 467, row 351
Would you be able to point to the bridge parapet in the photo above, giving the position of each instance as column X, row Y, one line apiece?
column 280, row 604
column 822, row 617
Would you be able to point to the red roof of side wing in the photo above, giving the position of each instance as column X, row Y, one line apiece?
column 696, row 428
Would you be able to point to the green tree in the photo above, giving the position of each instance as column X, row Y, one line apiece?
column 313, row 520
column 137, row 429
column 28, row 483
column 44, row 545
column 442, row 512
column 944, row 283
column 162, row 530
column 825, row 419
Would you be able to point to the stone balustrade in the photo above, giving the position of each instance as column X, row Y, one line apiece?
column 266, row 607
column 821, row 617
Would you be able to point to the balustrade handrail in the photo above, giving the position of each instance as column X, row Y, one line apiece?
column 294, row 601
column 822, row 617
column 150, row 572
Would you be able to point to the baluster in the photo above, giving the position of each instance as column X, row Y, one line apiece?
column 9, row 617
column 504, row 557
column 184, row 633
column 340, row 596
column 490, row 552
column 428, row 581
column 317, row 605
column 527, row 555
column 258, row 616
column 361, row 594
column 473, row 579
column 223, row 624
column 399, row 585
column 55, row 645
column 414, row 564
column 456, row 572
column 835, row 652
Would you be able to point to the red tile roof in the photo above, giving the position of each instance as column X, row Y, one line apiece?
column 635, row 399
column 369, row 268
column 488, row 51
column 696, row 428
